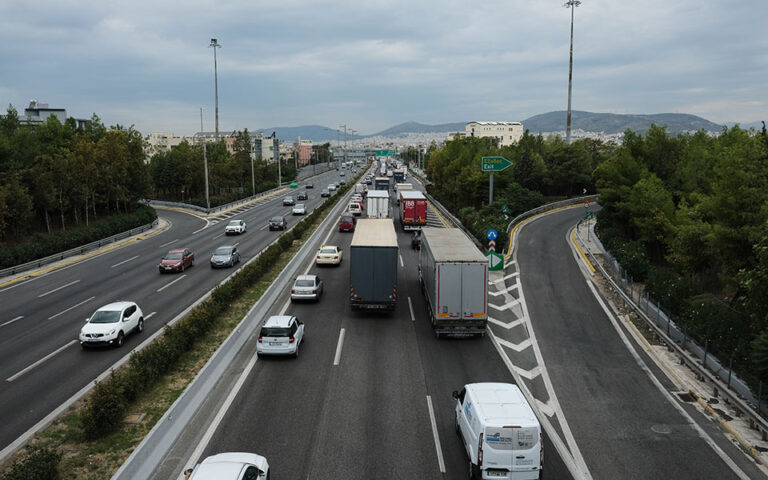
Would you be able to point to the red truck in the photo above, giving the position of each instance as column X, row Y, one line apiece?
column 413, row 209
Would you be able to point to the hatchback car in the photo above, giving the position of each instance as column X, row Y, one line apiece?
column 176, row 260
column 299, row 209
column 287, row 201
column 355, row 209
column 278, row 223
column 226, row 256
column 329, row 255
column 342, row 174
column 416, row 240
column 280, row 335
column 310, row 185
column 347, row 223
column 331, row 187
column 230, row 466
column 109, row 325
column 235, row 227
column 307, row 287
column 325, row 193
column 302, row 196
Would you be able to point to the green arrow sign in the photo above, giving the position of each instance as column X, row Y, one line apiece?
column 495, row 164
column 385, row 153
column 495, row 261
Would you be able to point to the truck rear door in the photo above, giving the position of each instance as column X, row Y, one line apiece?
column 448, row 291
column 474, row 289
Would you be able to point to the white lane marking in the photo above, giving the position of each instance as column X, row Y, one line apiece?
column 410, row 306
column 22, row 372
column 401, row 260
column 70, row 308
column 644, row 367
column 149, row 316
column 203, row 443
column 10, row 322
column 264, row 227
column 169, row 284
column 439, row 449
column 217, row 236
column 168, row 243
column 57, row 289
column 337, row 358
column 124, row 261
column 207, row 223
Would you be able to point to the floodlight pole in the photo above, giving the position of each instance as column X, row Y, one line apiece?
column 205, row 161
column 572, row 4
column 216, row 45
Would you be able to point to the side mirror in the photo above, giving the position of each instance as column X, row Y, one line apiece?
column 187, row 473
column 455, row 394
column 86, row 319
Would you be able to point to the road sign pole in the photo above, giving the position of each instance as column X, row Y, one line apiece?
column 490, row 189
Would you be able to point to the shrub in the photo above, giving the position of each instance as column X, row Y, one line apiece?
column 41, row 463
column 668, row 288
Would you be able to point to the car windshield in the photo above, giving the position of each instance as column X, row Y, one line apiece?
column 346, row 220
column 276, row 219
column 328, row 250
column 102, row 316
column 234, row 223
column 223, row 251
column 275, row 332
column 299, row 206
column 304, row 283
column 172, row 256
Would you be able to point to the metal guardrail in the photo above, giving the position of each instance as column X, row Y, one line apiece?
column 734, row 399
column 40, row 262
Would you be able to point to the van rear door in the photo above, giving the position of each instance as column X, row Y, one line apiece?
column 512, row 448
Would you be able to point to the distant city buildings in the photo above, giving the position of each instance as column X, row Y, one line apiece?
column 38, row 113
column 507, row 133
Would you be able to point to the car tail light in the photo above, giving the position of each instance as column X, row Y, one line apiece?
column 259, row 338
column 314, row 290
column 318, row 257
column 291, row 340
column 480, row 451
column 293, row 290
column 335, row 257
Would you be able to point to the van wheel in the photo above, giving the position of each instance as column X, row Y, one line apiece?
column 456, row 425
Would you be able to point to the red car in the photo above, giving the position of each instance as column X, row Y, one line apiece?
column 177, row 260
column 347, row 223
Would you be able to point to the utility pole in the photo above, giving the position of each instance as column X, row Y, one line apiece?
column 205, row 161
column 216, row 45
column 276, row 156
column 573, row 4
column 345, row 141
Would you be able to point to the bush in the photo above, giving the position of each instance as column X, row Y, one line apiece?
column 43, row 245
column 40, row 464
column 105, row 409
column 667, row 288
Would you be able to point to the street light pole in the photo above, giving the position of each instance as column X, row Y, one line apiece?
column 573, row 4
column 216, row 45
column 205, row 161
column 345, row 141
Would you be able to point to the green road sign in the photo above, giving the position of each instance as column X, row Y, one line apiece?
column 589, row 216
column 386, row 153
column 495, row 261
column 294, row 185
column 505, row 209
column 495, row 164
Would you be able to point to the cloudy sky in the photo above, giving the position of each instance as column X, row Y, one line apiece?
column 372, row 64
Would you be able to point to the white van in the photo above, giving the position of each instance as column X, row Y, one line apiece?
column 501, row 434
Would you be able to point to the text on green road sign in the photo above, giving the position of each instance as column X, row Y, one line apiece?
column 495, row 164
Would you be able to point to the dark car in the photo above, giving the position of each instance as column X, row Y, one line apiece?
column 176, row 260
column 226, row 256
column 278, row 223
column 416, row 240
column 302, row 196
column 347, row 223
column 310, row 185
column 289, row 201
column 325, row 193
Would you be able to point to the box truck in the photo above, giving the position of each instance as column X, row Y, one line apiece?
column 373, row 265
column 500, row 432
column 413, row 209
column 378, row 204
column 399, row 175
column 381, row 183
column 454, row 277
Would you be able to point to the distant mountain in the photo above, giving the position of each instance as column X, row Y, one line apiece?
column 746, row 126
column 617, row 123
column 415, row 127
column 316, row 133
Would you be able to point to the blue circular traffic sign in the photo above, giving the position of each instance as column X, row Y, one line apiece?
column 491, row 234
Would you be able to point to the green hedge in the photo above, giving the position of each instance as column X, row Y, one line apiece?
column 40, row 463
column 108, row 403
column 42, row 245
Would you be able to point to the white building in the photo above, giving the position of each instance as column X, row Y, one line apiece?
column 506, row 133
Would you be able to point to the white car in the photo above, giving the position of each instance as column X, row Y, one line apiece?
column 329, row 255
column 230, row 466
column 235, row 227
column 280, row 335
column 299, row 209
column 331, row 187
column 109, row 325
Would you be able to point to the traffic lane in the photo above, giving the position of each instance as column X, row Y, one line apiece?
column 451, row 363
column 624, row 426
column 277, row 412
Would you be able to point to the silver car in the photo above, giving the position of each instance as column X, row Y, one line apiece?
column 226, row 256
column 280, row 335
column 307, row 287
column 299, row 209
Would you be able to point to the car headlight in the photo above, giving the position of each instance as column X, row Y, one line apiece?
column 112, row 332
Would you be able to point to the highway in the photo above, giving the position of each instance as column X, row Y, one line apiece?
column 41, row 362
column 356, row 403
